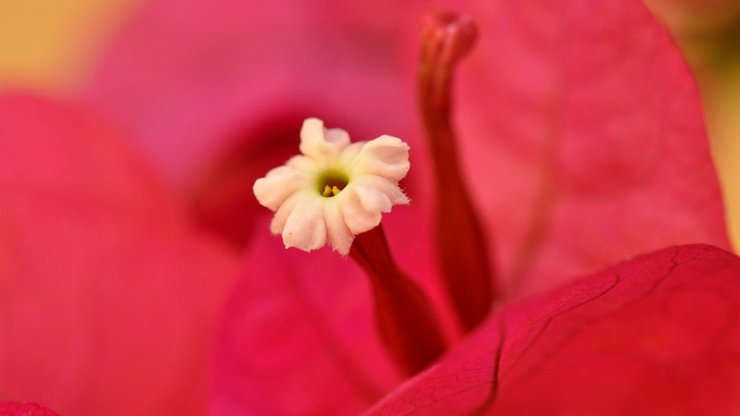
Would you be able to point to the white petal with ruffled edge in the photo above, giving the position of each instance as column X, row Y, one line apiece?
column 385, row 156
column 305, row 227
column 279, row 183
column 339, row 234
column 319, row 143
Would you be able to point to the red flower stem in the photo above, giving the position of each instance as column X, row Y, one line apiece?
column 461, row 244
column 406, row 320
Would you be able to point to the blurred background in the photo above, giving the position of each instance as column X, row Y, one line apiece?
column 50, row 46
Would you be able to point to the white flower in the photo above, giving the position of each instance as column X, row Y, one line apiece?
column 335, row 189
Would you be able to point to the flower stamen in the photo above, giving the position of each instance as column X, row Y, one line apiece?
column 331, row 183
column 330, row 191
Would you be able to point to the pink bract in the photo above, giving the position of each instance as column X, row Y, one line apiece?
column 108, row 294
column 656, row 335
column 24, row 409
column 584, row 143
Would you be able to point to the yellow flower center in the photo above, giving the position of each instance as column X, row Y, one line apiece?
column 331, row 183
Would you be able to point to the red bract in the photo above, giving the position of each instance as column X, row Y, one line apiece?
column 108, row 295
column 657, row 335
column 584, row 142
column 24, row 409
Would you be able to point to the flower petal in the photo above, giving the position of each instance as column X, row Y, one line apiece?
column 386, row 156
column 320, row 144
column 303, row 163
column 337, row 136
column 656, row 335
column 279, row 183
column 357, row 218
column 372, row 200
column 389, row 188
column 337, row 231
column 305, row 228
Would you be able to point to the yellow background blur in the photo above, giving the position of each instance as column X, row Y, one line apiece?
column 50, row 45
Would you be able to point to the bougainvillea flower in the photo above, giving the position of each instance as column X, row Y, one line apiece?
column 108, row 293
column 580, row 144
column 334, row 190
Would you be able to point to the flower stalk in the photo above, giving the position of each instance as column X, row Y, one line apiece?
column 406, row 319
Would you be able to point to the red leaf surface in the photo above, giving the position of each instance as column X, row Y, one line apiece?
column 24, row 409
column 659, row 334
column 106, row 296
